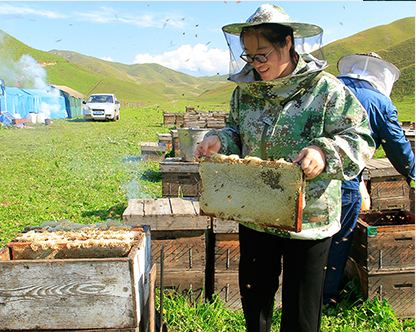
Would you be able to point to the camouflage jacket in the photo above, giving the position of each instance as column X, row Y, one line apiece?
column 277, row 119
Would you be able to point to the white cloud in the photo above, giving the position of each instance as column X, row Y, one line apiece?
column 146, row 20
column 7, row 9
column 186, row 57
column 107, row 58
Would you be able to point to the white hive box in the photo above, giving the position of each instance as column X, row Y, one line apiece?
column 77, row 293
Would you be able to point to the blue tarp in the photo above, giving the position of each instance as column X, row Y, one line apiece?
column 23, row 101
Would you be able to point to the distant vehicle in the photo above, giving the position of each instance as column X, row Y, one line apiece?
column 102, row 106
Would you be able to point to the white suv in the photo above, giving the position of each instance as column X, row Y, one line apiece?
column 102, row 106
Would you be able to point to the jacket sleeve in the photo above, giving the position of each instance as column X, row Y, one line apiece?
column 347, row 141
column 388, row 132
column 230, row 134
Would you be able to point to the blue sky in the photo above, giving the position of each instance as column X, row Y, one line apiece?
column 182, row 35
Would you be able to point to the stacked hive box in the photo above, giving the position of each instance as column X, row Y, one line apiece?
column 176, row 224
column 224, row 273
column 383, row 257
column 152, row 151
column 387, row 188
column 179, row 178
column 199, row 119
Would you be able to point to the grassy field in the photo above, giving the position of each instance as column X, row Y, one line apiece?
column 76, row 170
column 87, row 171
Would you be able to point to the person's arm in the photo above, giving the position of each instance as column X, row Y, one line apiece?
column 397, row 147
column 347, row 142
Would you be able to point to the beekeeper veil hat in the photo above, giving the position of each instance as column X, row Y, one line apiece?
column 370, row 67
column 307, row 37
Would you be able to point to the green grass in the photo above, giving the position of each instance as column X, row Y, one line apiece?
column 185, row 313
column 87, row 171
column 76, row 170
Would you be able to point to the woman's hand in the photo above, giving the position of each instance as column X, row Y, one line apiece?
column 209, row 146
column 313, row 161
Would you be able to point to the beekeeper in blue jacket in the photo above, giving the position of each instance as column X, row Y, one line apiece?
column 371, row 79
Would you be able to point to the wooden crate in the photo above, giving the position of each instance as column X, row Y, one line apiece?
column 226, row 262
column 152, row 151
column 184, row 251
column 384, row 240
column 169, row 119
column 74, row 294
column 395, row 286
column 227, row 252
column 181, row 185
column 184, row 260
column 166, row 214
column 383, row 257
column 166, row 139
column 227, row 288
column 180, row 178
column 388, row 189
column 175, row 143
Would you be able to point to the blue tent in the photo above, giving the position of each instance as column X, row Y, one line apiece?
column 24, row 101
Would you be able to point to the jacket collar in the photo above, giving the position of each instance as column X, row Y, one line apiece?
column 281, row 88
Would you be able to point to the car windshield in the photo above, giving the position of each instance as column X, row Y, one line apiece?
column 100, row 99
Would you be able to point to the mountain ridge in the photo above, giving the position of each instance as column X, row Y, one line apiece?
column 155, row 84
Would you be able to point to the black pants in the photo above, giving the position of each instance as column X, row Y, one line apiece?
column 304, row 264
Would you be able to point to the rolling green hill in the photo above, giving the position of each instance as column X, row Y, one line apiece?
column 155, row 84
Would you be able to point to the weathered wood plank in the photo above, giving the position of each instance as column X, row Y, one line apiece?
column 167, row 214
column 66, row 294
column 224, row 226
column 176, row 165
column 157, row 207
column 182, row 207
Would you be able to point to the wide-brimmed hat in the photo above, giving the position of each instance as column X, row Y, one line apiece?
column 372, row 68
column 360, row 62
column 273, row 14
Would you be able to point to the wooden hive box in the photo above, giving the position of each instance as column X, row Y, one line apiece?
column 175, row 143
column 180, row 178
column 184, row 260
column 388, row 189
column 176, row 224
column 169, row 119
column 73, row 294
column 383, row 257
column 226, row 256
column 384, row 239
column 166, row 139
column 152, row 151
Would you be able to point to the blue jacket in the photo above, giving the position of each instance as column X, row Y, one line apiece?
column 385, row 128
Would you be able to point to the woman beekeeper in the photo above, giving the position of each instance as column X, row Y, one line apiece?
column 285, row 106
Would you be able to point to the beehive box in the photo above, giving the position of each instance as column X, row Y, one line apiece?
column 179, row 178
column 183, row 258
column 176, row 224
column 77, row 293
column 166, row 139
column 388, row 189
column 384, row 239
column 225, row 271
column 383, row 257
column 152, row 151
column 395, row 286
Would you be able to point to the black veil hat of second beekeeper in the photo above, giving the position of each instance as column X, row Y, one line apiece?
column 308, row 37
